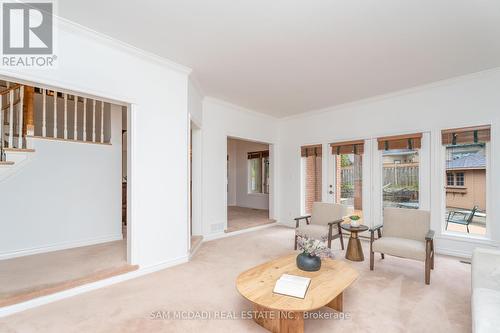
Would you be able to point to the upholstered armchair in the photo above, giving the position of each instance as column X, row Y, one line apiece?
column 406, row 234
column 324, row 221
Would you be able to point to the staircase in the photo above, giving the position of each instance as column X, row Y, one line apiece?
column 33, row 112
column 14, row 127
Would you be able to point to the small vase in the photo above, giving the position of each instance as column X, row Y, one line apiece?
column 354, row 223
column 308, row 263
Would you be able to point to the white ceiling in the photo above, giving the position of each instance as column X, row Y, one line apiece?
column 284, row 57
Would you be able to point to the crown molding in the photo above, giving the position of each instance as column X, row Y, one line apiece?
column 213, row 100
column 417, row 89
column 71, row 26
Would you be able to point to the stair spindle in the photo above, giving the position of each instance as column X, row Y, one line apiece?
column 55, row 114
column 44, row 112
column 75, row 134
column 102, row 122
column 84, row 119
column 65, row 116
column 93, row 120
column 11, row 119
column 20, row 118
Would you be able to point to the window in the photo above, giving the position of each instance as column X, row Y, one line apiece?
column 450, row 179
column 258, row 172
column 311, row 159
column 400, row 187
column 466, row 151
column 348, row 174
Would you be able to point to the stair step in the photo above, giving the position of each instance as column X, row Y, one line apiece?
column 19, row 150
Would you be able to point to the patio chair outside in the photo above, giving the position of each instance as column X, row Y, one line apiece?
column 461, row 218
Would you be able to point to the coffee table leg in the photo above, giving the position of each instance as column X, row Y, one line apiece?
column 279, row 321
column 354, row 250
column 337, row 303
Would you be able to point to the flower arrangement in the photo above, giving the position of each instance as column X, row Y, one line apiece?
column 355, row 220
column 314, row 247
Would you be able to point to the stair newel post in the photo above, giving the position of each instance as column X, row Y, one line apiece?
column 20, row 125
column 102, row 122
column 29, row 113
column 75, row 133
column 65, row 116
column 84, row 119
column 11, row 119
column 44, row 112
column 55, row 114
column 93, row 120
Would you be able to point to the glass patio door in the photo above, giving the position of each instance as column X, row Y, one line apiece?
column 347, row 180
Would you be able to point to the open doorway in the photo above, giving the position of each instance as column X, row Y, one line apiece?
column 248, row 184
column 63, row 178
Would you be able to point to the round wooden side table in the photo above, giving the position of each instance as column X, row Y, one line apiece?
column 354, row 250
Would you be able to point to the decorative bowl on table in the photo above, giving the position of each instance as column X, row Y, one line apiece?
column 355, row 221
column 312, row 252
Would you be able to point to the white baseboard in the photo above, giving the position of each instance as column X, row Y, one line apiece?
column 194, row 249
column 12, row 309
column 60, row 246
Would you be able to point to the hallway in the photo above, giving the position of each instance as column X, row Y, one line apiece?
column 239, row 218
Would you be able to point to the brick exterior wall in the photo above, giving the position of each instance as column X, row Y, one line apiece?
column 313, row 181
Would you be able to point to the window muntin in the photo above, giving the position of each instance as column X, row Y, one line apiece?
column 460, row 179
column 450, row 179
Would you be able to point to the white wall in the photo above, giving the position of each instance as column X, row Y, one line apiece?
column 465, row 101
column 221, row 120
column 67, row 194
column 238, row 175
column 157, row 91
column 232, row 152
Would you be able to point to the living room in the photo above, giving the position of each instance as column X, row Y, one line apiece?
column 394, row 106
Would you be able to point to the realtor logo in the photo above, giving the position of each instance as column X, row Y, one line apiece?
column 28, row 34
column 27, row 28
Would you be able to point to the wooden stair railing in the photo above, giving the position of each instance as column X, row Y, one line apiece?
column 17, row 116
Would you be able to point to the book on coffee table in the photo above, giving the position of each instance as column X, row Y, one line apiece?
column 292, row 285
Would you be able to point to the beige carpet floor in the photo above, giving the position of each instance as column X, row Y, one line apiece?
column 33, row 273
column 393, row 298
column 239, row 218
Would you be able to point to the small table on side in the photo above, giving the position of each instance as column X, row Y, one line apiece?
column 354, row 250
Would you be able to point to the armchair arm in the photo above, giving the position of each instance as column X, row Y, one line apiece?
column 375, row 228
column 430, row 235
column 336, row 222
column 298, row 219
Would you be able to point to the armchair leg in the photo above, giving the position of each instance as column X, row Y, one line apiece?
column 379, row 234
column 371, row 260
column 428, row 261
column 432, row 254
column 341, row 237
column 427, row 271
column 371, row 251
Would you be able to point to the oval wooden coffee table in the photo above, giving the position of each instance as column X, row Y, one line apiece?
column 279, row 313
